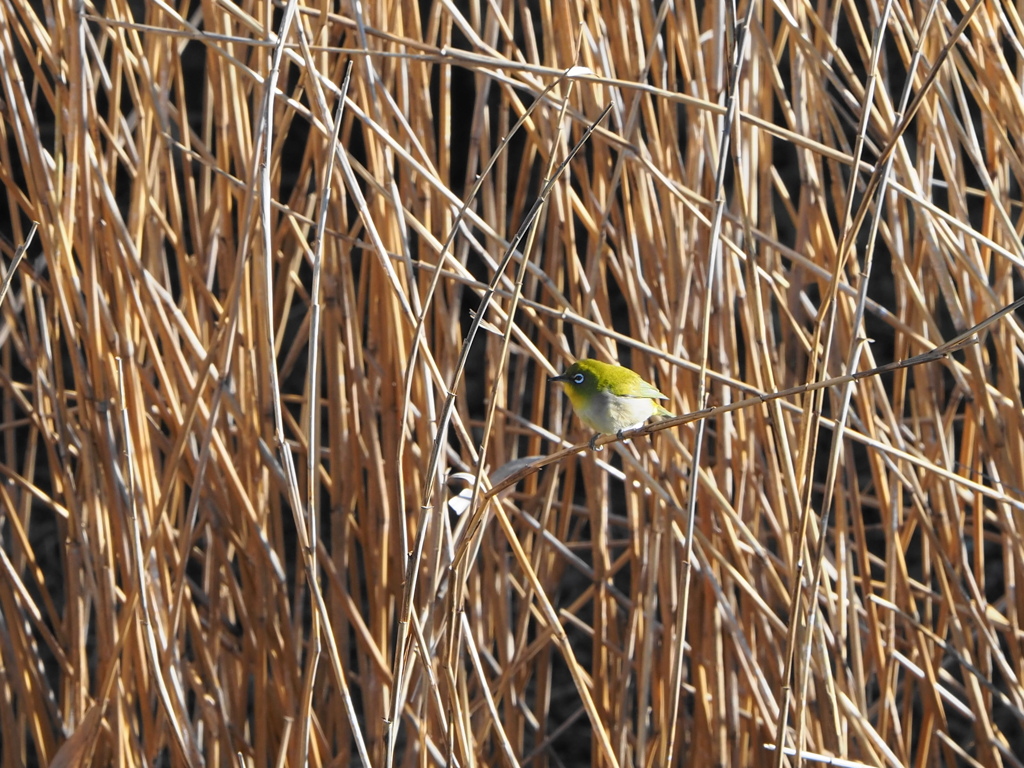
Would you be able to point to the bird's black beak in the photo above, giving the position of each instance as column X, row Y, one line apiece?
column 554, row 379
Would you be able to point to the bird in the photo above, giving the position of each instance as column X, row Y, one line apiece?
column 609, row 398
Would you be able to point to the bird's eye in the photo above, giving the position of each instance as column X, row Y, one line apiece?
column 578, row 378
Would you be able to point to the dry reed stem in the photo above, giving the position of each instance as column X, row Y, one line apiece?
column 242, row 238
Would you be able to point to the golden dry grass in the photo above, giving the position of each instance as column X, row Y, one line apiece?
column 207, row 363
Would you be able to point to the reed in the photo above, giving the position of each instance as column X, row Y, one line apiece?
column 283, row 482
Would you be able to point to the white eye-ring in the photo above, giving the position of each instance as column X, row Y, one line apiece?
column 578, row 378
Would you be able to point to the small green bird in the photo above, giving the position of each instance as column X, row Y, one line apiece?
column 610, row 398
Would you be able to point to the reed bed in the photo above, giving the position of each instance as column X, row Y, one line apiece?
column 284, row 483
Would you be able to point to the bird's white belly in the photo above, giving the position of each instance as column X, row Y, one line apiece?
column 609, row 414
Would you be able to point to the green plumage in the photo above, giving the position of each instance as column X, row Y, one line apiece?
column 610, row 398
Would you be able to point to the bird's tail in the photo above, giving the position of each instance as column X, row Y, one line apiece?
column 659, row 411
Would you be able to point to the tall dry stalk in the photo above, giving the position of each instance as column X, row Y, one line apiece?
column 272, row 354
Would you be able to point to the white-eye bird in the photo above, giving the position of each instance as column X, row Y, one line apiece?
column 610, row 398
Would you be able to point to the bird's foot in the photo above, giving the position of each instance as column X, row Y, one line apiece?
column 593, row 443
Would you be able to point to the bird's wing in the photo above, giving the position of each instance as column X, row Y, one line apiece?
column 645, row 389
